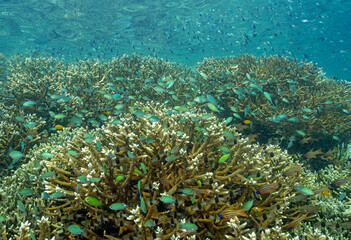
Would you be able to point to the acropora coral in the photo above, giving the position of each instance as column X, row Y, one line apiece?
column 138, row 156
column 158, row 173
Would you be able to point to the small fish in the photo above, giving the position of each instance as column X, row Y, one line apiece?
column 339, row 182
column 93, row 201
column 27, row 192
column 212, row 100
column 295, row 222
column 187, row 191
column 98, row 146
column 257, row 209
column 154, row 119
column 298, row 198
column 143, row 167
column 346, row 111
column 130, row 155
column 268, row 188
column 228, row 120
column 247, row 122
column 119, row 178
column 203, row 75
column 293, row 119
column 268, row 96
column 56, row 195
column 306, row 140
column 20, row 119
column 22, row 146
column 16, row 155
column 60, row 116
column 94, row 180
column 285, row 100
column 21, row 207
column 213, row 107
column 167, row 199
column 322, row 191
column 118, row 206
column 228, row 134
column 342, row 196
column 236, row 115
column 307, row 110
column 313, row 154
column 193, row 198
column 171, row 158
column 292, row 171
column 142, row 204
column 76, row 230
column 304, row 190
column 310, row 209
column 189, row 227
column 59, row 127
column 224, row 149
column 231, row 213
column 29, row 103
column 48, row 155
column 200, row 99
column 223, row 158
column 83, row 179
column 300, row 132
column 150, row 223
column 248, row 205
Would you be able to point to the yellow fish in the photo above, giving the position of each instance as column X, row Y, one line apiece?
column 59, row 127
column 247, row 122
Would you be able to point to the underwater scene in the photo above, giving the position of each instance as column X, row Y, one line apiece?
column 188, row 119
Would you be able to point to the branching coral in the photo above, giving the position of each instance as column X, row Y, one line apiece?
column 29, row 176
column 166, row 173
column 17, row 133
column 282, row 97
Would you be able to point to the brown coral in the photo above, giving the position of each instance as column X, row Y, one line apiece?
column 194, row 175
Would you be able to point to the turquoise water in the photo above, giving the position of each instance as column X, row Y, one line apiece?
column 181, row 31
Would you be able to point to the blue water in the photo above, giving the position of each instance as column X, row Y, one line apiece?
column 184, row 31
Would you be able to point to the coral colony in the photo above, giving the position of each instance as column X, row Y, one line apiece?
column 141, row 148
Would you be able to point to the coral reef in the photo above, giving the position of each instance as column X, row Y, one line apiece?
column 162, row 173
column 282, row 97
column 29, row 176
column 275, row 97
column 17, row 134
column 125, row 166
column 333, row 212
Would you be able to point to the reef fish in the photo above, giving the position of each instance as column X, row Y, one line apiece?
column 231, row 213
column 291, row 171
column 339, row 182
column 295, row 222
column 76, row 230
column 313, row 154
column 268, row 188
column 304, row 190
column 93, row 201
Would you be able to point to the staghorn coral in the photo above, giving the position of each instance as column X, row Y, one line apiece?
column 332, row 211
column 30, row 175
column 280, row 95
column 17, row 134
column 81, row 94
column 164, row 173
